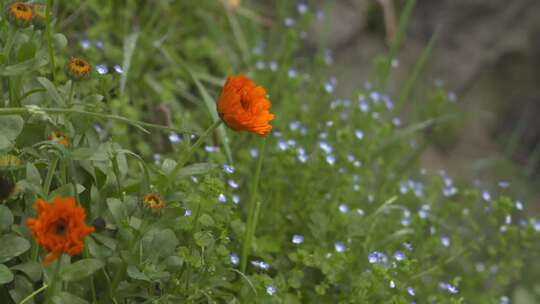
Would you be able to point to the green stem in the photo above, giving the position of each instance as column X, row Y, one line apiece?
column 92, row 285
column 138, row 124
column 49, row 37
column 252, row 211
column 116, row 170
column 70, row 97
column 48, row 178
column 194, row 148
column 54, row 278
column 33, row 294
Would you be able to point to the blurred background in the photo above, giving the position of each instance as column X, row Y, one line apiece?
column 486, row 56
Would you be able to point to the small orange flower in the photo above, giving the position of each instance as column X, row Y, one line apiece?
column 78, row 68
column 60, row 227
column 60, row 138
column 153, row 201
column 243, row 106
column 19, row 14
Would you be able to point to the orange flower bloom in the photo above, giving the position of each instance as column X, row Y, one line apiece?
column 153, row 201
column 60, row 227
column 243, row 106
column 60, row 138
column 19, row 14
column 78, row 68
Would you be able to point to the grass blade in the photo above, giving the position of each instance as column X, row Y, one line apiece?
column 129, row 47
column 211, row 106
column 410, row 85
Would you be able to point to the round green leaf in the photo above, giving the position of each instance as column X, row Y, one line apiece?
column 31, row 268
column 6, row 275
column 12, row 246
column 60, row 41
column 6, row 218
column 81, row 269
column 11, row 126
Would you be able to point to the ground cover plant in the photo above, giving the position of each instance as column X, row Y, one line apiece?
column 196, row 152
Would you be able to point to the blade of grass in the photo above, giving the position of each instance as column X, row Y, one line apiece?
column 238, row 34
column 410, row 85
column 404, row 20
column 517, row 134
column 211, row 106
column 129, row 47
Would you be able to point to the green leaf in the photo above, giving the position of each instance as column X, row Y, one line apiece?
column 211, row 107
column 4, row 142
column 60, row 41
column 118, row 210
column 6, row 218
column 195, row 169
column 12, row 246
column 24, row 67
column 51, row 90
column 67, row 298
column 32, row 174
column 6, row 275
column 134, row 273
column 206, row 220
column 174, row 263
column 204, row 239
column 81, row 269
column 159, row 243
column 66, row 190
column 31, row 268
column 167, row 166
column 129, row 47
column 11, row 126
column 27, row 51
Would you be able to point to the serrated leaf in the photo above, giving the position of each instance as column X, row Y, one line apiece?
column 81, row 269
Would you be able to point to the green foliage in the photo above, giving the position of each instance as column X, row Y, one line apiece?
column 345, row 215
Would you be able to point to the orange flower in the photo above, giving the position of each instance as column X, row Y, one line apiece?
column 153, row 201
column 60, row 138
column 78, row 68
column 60, row 227
column 243, row 106
column 19, row 14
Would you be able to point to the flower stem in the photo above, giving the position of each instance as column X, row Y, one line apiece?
column 253, row 210
column 51, row 292
column 33, row 294
column 138, row 124
column 49, row 37
column 48, row 178
column 194, row 147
